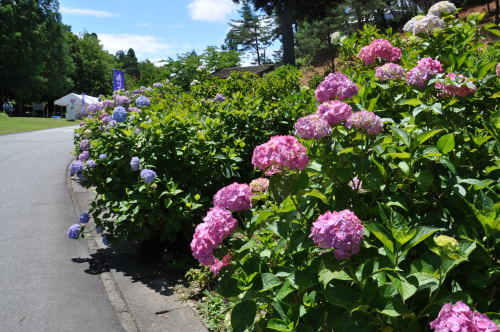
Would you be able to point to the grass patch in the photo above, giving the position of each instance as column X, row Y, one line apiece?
column 17, row 125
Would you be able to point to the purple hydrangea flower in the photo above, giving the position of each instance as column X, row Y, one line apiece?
column 157, row 85
column 84, row 218
column 459, row 317
column 84, row 156
column 90, row 163
column 108, row 103
column 74, row 231
column 84, row 144
column 312, row 126
column 93, row 108
column 121, row 100
column 142, row 101
column 103, row 156
column 341, row 231
column 76, row 167
column 334, row 111
column 335, row 86
column 219, row 97
column 119, row 114
column 365, row 121
column 135, row 163
column 148, row 175
column 133, row 109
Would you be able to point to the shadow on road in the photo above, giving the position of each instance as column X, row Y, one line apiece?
column 125, row 260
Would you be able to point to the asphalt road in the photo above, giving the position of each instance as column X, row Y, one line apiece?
column 41, row 288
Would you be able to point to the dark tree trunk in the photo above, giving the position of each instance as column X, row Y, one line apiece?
column 286, row 27
column 497, row 11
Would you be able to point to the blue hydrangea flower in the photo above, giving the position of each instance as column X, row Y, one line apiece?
column 219, row 97
column 99, row 229
column 119, row 114
column 74, row 231
column 157, row 85
column 84, row 144
column 76, row 167
column 135, row 163
column 90, row 163
column 148, row 175
column 103, row 156
column 84, row 156
column 84, row 218
column 142, row 101
column 105, row 240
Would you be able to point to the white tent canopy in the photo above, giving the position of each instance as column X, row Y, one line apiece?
column 73, row 103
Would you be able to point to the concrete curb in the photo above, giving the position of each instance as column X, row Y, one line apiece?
column 143, row 301
column 81, row 199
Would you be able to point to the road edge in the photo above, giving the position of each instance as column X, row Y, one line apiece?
column 107, row 278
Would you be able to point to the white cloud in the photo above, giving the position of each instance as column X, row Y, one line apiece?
column 211, row 10
column 142, row 44
column 88, row 12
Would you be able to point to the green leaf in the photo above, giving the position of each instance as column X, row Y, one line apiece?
column 277, row 324
column 372, row 103
column 401, row 155
column 284, row 290
column 243, row 315
column 403, row 135
column 269, row 281
column 446, row 143
column 380, row 234
column 316, row 193
column 411, row 102
column 422, row 233
column 404, row 288
column 228, row 287
column 421, row 138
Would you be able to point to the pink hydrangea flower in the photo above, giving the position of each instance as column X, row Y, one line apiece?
column 202, row 245
column 335, row 86
column 431, row 65
column 379, row 48
column 355, row 183
column 461, row 86
column 259, row 185
column 278, row 153
column 234, row 197
column 334, row 111
column 217, row 225
column 498, row 69
column 459, row 318
column 341, row 231
column 219, row 264
column 366, row 121
column 422, row 72
column 390, row 71
column 312, row 126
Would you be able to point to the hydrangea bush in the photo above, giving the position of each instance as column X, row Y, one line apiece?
column 156, row 156
column 388, row 220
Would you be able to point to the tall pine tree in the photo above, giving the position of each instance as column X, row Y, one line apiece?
column 251, row 32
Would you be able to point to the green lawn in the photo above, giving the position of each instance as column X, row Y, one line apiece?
column 17, row 125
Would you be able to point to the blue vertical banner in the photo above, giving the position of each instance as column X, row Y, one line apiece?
column 118, row 80
column 83, row 104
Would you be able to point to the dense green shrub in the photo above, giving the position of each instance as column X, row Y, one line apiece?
column 194, row 143
column 432, row 171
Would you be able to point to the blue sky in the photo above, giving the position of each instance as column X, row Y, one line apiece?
column 155, row 29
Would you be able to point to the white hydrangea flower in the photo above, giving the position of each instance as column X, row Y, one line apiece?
column 442, row 7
